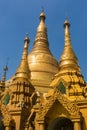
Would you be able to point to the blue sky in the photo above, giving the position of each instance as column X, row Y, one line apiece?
column 20, row 16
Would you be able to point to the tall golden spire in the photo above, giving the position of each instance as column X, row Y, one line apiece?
column 41, row 30
column 23, row 69
column 69, row 77
column 42, row 64
column 68, row 58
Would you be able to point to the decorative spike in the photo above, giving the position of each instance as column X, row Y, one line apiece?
column 26, row 43
column 42, row 26
column 23, row 69
column 42, row 16
column 41, row 35
column 42, row 9
column 4, row 76
column 27, row 39
column 67, row 33
column 68, row 58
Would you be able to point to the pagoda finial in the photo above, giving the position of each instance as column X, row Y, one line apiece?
column 42, row 15
column 4, row 76
column 68, row 57
column 41, row 29
column 42, row 9
column 23, row 69
column 67, row 33
column 27, row 39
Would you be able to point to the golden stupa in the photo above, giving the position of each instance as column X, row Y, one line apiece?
column 69, row 73
column 42, row 64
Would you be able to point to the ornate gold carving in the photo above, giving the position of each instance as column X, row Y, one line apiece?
column 41, row 35
column 73, row 81
column 56, row 95
column 7, row 117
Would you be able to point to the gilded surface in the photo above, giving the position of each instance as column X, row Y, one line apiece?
column 69, row 71
column 68, row 58
column 23, row 69
column 42, row 64
column 52, row 96
column 43, row 90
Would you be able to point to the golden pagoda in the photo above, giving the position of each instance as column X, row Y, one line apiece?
column 44, row 94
